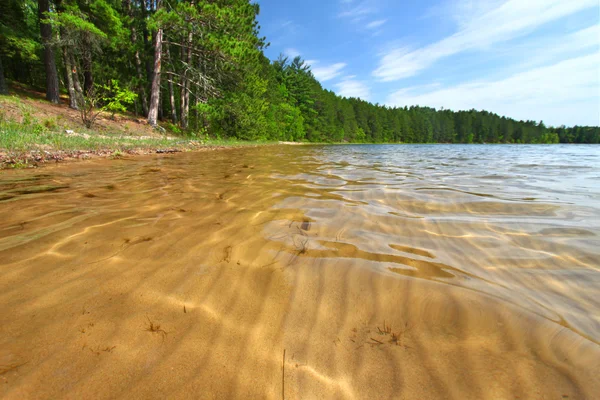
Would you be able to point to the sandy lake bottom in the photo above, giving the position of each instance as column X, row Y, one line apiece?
column 304, row 272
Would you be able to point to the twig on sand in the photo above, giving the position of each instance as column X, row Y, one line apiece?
column 155, row 328
column 283, row 377
column 6, row 368
column 375, row 340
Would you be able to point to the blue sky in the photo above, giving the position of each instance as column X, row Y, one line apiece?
column 526, row 59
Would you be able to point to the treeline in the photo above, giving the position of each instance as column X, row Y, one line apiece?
column 197, row 66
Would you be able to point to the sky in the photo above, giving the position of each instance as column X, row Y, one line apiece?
column 525, row 59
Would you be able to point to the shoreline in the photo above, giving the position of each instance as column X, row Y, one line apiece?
column 41, row 158
column 37, row 158
column 28, row 159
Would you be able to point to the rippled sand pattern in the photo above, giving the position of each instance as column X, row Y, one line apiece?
column 357, row 272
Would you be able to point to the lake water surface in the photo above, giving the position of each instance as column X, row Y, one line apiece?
column 373, row 271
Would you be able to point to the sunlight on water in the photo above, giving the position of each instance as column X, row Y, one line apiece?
column 463, row 272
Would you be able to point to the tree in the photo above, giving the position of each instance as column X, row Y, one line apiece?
column 155, row 91
column 52, row 94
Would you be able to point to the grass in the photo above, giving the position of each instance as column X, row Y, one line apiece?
column 18, row 138
column 29, row 136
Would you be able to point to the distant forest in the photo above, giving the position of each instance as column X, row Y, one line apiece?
column 198, row 67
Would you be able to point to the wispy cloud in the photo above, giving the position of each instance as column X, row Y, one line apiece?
column 566, row 92
column 376, row 24
column 291, row 52
column 350, row 87
column 461, row 12
column 356, row 12
column 509, row 20
column 326, row 72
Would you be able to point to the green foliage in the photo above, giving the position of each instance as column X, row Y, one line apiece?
column 111, row 98
column 18, row 28
column 76, row 23
column 117, row 99
column 50, row 124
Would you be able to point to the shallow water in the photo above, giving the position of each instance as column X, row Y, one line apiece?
column 382, row 271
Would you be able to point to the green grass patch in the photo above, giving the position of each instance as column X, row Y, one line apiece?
column 17, row 138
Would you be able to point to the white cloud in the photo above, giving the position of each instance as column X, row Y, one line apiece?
column 326, row 72
column 511, row 19
column 567, row 92
column 353, row 88
column 376, row 24
column 291, row 52
column 462, row 11
column 547, row 49
column 357, row 12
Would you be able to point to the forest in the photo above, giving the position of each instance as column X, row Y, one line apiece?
column 197, row 67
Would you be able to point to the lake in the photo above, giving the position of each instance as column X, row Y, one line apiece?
column 359, row 271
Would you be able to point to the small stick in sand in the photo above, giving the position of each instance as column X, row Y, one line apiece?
column 283, row 377
column 6, row 368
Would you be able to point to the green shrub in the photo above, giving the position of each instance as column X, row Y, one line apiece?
column 50, row 124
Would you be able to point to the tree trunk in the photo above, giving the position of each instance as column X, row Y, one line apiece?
column 64, row 39
column 52, row 94
column 186, row 55
column 187, row 87
column 76, row 83
column 196, row 113
column 88, row 76
column 155, row 92
column 3, row 87
column 171, row 91
column 147, row 5
column 182, row 86
column 69, row 74
column 138, row 69
column 138, row 62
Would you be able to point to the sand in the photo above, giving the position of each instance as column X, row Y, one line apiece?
column 162, row 278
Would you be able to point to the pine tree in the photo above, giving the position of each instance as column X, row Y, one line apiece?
column 52, row 94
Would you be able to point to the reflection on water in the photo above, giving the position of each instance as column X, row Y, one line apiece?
column 383, row 271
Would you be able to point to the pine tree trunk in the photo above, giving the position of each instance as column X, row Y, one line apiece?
column 196, row 113
column 138, row 61
column 69, row 74
column 76, row 82
column 187, row 87
column 147, row 4
column 88, row 76
column 172, row 100
column 3, row 87
column 52, row 94
column 186, row 55
column 138, row 69
column 171, row 90
column 73, row 101
column 155, row 92
column 183, row 88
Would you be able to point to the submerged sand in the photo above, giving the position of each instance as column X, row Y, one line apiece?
column 190, row 276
